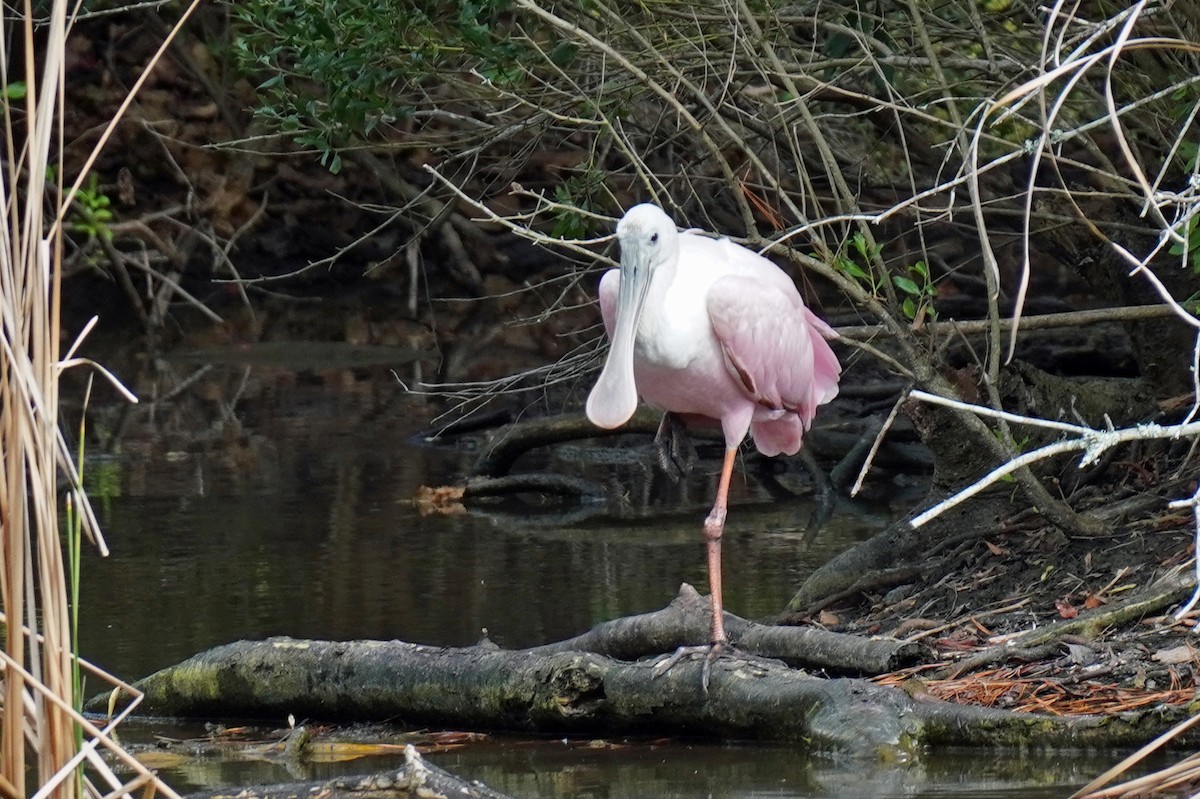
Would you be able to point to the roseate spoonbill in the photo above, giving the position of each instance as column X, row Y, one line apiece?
column 705, row 327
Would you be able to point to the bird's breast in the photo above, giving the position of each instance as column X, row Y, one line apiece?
column 674, row 334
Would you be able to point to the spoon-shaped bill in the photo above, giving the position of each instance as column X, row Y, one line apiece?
column 614, row 397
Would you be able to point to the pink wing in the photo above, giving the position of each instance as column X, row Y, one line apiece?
column 790, row 340
column 773, row 345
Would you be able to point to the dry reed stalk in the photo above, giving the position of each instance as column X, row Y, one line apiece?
column 1092, row 789
column 39, row 718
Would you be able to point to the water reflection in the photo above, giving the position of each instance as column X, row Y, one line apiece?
column 324, row 542
column 631, row 769
column 743, row 771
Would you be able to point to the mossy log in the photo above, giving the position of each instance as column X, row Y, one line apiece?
column 584, row 693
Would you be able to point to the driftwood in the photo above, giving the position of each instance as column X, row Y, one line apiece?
column 583, row 693
column 538, row 482
column 418, row 778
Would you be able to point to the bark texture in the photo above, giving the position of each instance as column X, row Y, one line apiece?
column 583, row 693
column 685, row 622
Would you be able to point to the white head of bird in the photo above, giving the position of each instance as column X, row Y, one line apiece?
column 649, row 242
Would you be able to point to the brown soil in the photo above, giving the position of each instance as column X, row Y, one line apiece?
column 994, row 583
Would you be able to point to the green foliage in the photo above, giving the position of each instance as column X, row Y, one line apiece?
column 74, row 547
column 90, row 211
column 859, row 269
column 584, row 190
column 918, row 290
column 1188, row 151
column 1189, row 251
column 15, row 90
column 332, row 73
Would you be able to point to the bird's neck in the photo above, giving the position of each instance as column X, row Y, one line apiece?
column 667, row 332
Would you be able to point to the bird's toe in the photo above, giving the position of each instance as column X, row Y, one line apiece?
column 709, row 654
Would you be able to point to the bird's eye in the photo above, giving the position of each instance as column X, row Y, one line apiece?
column 654, row 238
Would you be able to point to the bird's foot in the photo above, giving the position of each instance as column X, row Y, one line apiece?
column 676, row 453
column 710, row 653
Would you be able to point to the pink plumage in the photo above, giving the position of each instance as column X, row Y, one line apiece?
column 723, row 333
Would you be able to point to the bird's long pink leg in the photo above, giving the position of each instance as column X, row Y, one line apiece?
column 714, row 526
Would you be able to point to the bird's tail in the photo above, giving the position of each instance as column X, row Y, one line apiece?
column 778, row 436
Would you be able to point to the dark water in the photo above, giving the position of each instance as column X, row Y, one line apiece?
column 550, row 769
column 259, row 499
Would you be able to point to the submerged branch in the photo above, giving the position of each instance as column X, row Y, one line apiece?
column 417, row 779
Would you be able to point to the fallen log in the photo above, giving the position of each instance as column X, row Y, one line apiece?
column 584, row 693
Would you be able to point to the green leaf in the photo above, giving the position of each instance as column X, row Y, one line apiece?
column 909, row 307
column 16, row 90
column 852, row 269
column 838, row 45
column 860, row 243
column 564, row 53
column 906, row 285
column 1188, row 151
column 1193, row 303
